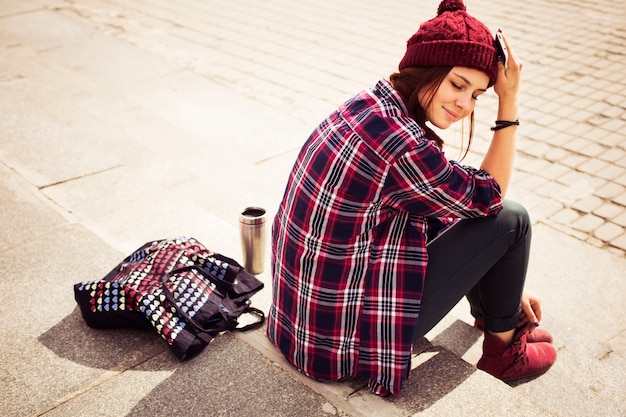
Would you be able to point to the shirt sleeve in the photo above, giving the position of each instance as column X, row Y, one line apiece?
column 423, row 182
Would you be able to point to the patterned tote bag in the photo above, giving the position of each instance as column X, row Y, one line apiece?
column 178, row 287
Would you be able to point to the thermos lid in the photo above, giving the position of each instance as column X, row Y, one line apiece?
column 252, row 215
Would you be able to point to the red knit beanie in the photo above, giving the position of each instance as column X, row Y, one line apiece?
column 453, row 38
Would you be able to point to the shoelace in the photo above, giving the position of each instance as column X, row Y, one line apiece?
column 521, row 350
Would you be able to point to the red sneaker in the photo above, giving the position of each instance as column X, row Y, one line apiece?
column 535, row 335
column 517, row 360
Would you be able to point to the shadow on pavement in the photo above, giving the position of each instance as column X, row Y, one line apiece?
column 229, row 378
column 111, row 349
column 442, row 368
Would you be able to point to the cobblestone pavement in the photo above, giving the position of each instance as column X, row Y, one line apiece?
column 304, row 58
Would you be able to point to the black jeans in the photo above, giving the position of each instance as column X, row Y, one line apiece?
column 484, row 259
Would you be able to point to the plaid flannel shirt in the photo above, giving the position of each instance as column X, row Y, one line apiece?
column 349, row 239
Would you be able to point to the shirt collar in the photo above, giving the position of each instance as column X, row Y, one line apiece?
column 385, row 91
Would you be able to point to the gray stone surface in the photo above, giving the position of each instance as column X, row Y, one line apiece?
column 126, row 121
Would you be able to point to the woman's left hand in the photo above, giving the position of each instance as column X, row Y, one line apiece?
column 508, row 81
column 531, row 311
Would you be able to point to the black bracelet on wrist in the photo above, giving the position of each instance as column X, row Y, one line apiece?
column 501, row 124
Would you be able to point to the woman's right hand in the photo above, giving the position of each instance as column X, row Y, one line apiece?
column 531, row 311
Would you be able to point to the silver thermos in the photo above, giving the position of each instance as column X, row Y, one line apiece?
column 252, row 227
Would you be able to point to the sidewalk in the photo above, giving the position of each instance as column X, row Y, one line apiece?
column 127, row 121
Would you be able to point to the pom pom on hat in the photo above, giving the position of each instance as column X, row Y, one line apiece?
column 453, row 38
column 451, row 6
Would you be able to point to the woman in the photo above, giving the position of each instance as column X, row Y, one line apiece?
column 378, row 235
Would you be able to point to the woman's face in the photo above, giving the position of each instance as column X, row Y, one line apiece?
column 455, row 98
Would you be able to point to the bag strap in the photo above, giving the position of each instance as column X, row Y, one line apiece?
column 227, row 325
column 170, row 297
column 260, row 319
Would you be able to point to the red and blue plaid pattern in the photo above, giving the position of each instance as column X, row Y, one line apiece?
column 349, row 239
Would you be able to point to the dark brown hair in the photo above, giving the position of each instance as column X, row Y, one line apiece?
column 410, row 81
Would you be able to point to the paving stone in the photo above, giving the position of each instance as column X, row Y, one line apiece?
column 621, row 219
column 536, row 150
column 580, row 103
column 597, row 134
column 613, row 139
column 548, row 135
column 613, row 155
column 600, row 94
column 621, row 180
column 620, row 242
column 532, row 182
column 529, row 164
column 588, row 205
column 560, row 192
column 611, row 172
column 615, row 125
column 620, row 199
column 564, row 125
column 599, row 107
column 592, row 166
column 617, row 100
column 613, row 112
column 557, row 154
column 588, row 223
column 554, row 171
column 610, row 190
column 608, row 232
column 592, row 150
column 577, row 144
column 566, row 216
column 561, row 138
column 594, row 241
column 547, row 120
column 576, row 190
column 544, row 209
column 609, row 210
column 567, row 230
column 573, row 161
